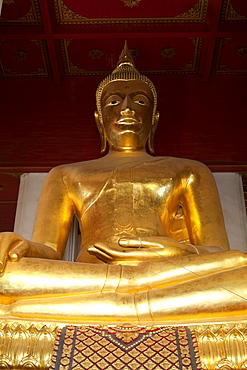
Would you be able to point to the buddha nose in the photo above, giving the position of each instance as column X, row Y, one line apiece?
column 127, row 106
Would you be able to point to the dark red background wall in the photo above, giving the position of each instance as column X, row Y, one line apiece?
column 44, row 125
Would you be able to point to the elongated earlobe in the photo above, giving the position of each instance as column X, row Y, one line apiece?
column 101, row 132
column 152, row 132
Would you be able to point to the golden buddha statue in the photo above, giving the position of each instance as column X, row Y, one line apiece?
column 154, row 246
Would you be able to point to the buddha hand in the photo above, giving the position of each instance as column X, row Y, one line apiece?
column 12, row 248
column 133, row 251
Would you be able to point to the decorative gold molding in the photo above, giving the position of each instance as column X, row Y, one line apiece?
column 242, row 52
column 64, row 15
column 131, row 3
column 8, row 2
column 191, row 67
column 222, row 346
column 229, row 14
column 219, row 67
column 42, row 71
column 27, row 344
column 33, row 16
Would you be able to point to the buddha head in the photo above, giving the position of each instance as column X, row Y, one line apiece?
column 126, row 107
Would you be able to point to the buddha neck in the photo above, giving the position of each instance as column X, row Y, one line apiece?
column 127, row 153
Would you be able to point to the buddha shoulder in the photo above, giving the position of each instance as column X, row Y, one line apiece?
column 68, row 177
column 172, row 167
column 175, row 167
column 73, row 170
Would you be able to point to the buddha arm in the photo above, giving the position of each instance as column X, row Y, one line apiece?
column 203, row 211
column 54, row 214
column 51, row 229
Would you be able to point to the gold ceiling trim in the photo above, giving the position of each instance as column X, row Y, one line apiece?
column 42, row 71
column 32, row 18
column 8, row 1
column 219, row 68
column 229, row 14
column 242, row 52
column 131, row 3
column 64, row 15
column 191, row 67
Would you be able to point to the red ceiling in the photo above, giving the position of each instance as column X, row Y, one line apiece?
column 67, row 37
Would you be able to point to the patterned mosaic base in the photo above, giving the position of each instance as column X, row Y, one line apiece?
column 125, row 347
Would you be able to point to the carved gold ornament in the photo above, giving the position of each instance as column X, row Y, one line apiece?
column 131, row 3
column 8, row 2
column 32, row 17
column 229, row 14
column 168, row 52
column 26, row 344
column 95, row 53
column 242, row 52
column 21, row 55
column 65, row 15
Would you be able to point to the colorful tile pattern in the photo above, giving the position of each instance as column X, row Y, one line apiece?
column 125, row 347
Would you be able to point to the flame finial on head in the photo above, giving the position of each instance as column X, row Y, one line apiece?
column 125, row 56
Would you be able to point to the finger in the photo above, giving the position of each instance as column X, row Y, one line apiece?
column 100, row 254
column 18, row 252
column 130, row 243
column 5, row 245
column 92, row 250
column 107, row 249
column 114, row 252
column 138, row 243
column 3, row 261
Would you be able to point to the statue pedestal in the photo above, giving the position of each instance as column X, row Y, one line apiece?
column 38, row 345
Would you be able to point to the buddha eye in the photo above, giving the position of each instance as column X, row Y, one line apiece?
column 141, row 99
column 140, row 102
column 113, row 102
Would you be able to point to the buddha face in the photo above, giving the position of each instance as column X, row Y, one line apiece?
column 127, row 111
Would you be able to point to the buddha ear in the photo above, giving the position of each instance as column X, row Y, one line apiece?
column 101, row 132
column 152, row 132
